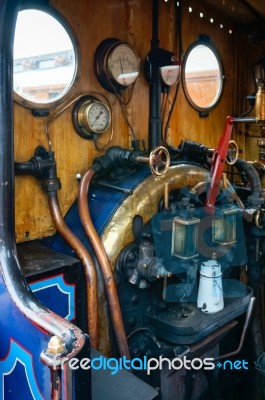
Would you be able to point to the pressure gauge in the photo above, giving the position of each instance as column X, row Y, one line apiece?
column 91, row 117
column 117, row 65
column 170, row 74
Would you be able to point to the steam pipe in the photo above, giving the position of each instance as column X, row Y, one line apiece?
column 34, row 167
column 87, row 262
column 104, row 264
column 43, row 167
column 10, row 269
column 252, row 176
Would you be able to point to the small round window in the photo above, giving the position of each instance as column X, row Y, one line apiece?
column 202, row 76
column 45, row 61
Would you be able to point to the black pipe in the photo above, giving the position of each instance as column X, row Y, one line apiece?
column 155, row 124
column 114, row 156
column 43, row 167
column 254, row 180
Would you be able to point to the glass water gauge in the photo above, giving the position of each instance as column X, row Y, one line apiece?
column 185, row 238
column 224, row 227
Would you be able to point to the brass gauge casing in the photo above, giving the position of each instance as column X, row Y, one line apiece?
column 117, row 65
column 91, row 117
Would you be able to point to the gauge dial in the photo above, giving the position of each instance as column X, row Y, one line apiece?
column 91, row 117
column 94, row 116
column 170, row 74
column 124, row 64
column 117, row 64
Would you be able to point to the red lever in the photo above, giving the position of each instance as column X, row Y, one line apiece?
column 218, row 162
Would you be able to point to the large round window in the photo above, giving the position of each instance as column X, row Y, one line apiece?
column 45, row 59
column 202, row 76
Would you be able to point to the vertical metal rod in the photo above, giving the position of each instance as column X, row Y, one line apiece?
column 8, row 15
column 166, row 198
column 155, row 125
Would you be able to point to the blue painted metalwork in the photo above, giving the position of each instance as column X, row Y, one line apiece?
column 17, row 363
column 57, row 295
column 103, row 201
column 19, row 334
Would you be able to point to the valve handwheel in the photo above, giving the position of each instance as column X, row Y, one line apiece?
column 232, row 153
column 159, row 160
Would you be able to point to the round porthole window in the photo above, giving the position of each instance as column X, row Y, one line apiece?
column 44, row 59
column 202, row 76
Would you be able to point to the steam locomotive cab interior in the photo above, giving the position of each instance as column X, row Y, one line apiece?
column 132, row 217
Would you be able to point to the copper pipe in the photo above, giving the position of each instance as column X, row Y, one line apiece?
column 104, row 263
column 87, row 262
column 56, row 385
column 249, row 313
column 166, row 198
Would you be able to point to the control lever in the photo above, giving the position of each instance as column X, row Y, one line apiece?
column 217, row 163
column 221, row 154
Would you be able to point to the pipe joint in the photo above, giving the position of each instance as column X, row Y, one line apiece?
column 115, row 156
column 43, row 167
column 51, row 185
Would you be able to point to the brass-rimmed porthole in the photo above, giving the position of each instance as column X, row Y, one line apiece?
column 44, row 58
column 202, row 76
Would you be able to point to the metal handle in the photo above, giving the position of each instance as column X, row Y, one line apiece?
column 159, row 160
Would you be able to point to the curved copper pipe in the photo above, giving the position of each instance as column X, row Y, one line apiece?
column 87, row 262
column 104, row 264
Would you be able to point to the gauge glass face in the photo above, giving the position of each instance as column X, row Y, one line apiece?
column 98, row 117
column 124, row 65
column 170, row 74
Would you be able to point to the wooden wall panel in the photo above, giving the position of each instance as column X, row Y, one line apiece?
column 130, row 20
